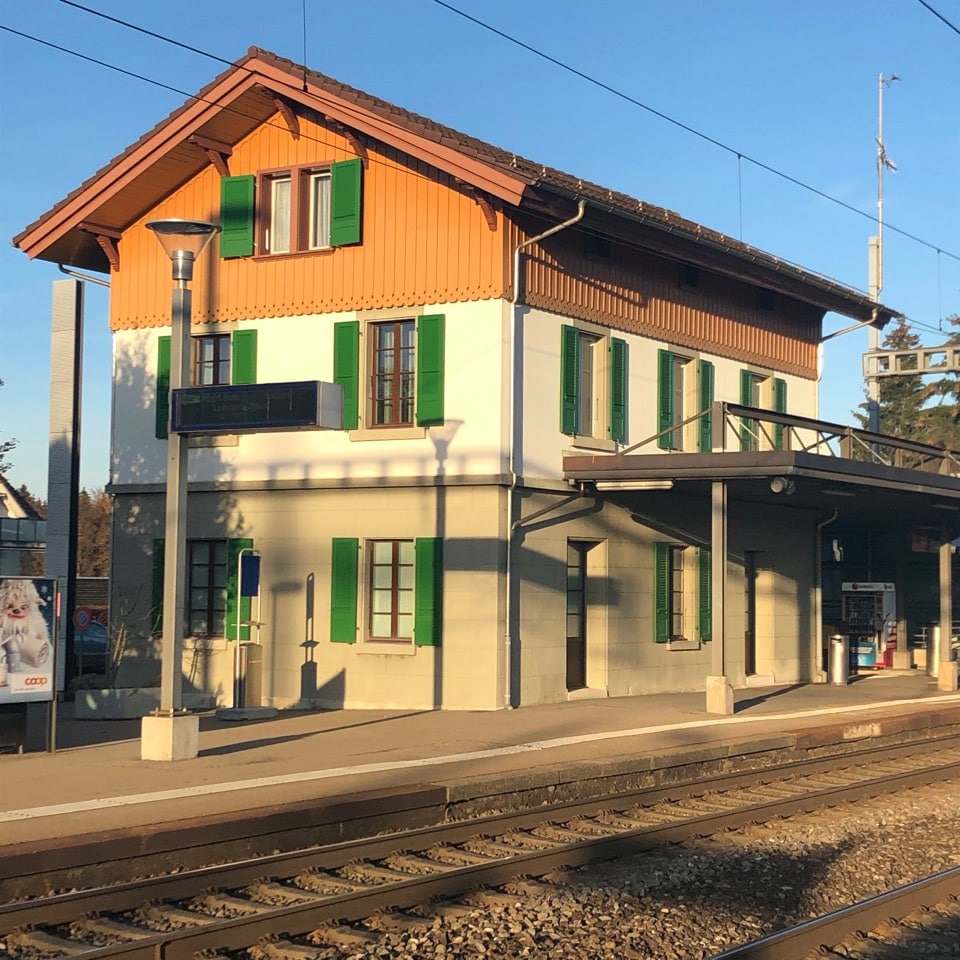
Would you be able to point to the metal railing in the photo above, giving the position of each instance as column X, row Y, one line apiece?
column 734, row 427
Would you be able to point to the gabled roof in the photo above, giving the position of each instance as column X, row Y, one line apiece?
column 78, row 230
column 15, row 505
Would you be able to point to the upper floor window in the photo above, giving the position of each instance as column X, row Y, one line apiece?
column 593, row 377
column 211, row 360
column 764, row 392
column 296, row 211
column 397, row 378
column 217, row 359
column 684, row 388
column 293, row 210
column 393, row 373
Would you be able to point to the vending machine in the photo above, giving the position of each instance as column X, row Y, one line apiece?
column 870, row 616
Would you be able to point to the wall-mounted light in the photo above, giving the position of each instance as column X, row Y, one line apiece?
column 634, row 484
column 783, row 485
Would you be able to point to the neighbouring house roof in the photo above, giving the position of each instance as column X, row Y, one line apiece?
column 13, row 505
column 82, row 229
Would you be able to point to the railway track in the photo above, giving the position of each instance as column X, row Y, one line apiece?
column 919, row 921
column 233, row 906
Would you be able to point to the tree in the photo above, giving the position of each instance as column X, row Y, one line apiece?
column 5, row 447
column 94, row 512
column 943, row 418
column 39, row 505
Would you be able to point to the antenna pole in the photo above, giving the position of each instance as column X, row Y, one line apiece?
column 876, row 255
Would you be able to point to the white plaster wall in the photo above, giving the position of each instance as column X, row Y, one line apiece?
column 544, row 444
column 301, row 348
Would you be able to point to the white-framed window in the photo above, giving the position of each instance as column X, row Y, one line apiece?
column 684, row 389
column 593, row 384
column 296, row 210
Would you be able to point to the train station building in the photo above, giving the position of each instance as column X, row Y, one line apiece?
column 578, row 451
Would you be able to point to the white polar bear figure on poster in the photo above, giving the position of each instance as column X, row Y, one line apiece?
column 24, row 636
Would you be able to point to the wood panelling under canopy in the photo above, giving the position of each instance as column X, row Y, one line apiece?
column 639, row 292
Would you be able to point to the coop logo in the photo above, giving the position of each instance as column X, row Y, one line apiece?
column 33, row 683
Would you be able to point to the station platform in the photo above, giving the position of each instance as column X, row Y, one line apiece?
column 95, row 781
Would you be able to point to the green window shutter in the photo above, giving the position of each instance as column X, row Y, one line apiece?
column 569, row 379
column 345, row 207
column 430, row 352
column 705, row 389
column 346, row 369
column 243, row 346
column 428, row 591
column 780, row 406
column 236, row 216
column 704, row 594
column 234, row 546
column 665, row 398
column 344, row 559
column 618, row 390
column 746, row 398
column 156, row 589
column 661, row 592
column 163, row 387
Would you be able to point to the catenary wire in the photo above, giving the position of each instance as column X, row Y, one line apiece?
column 591, row 80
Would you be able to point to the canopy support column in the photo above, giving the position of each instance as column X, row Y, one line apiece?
column 719, row 690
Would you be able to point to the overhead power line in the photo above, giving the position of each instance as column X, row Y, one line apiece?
column 511, row 39
column 739, row 154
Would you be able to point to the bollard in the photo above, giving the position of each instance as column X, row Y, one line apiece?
column 839, row 659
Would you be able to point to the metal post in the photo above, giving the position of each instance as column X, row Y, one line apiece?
column 175, row 553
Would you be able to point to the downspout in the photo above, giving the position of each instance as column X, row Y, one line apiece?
column 512, row 447
column 818, row 585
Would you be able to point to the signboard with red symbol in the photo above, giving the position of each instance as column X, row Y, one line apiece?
column 27, row 645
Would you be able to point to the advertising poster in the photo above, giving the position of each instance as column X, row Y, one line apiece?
column 27, row 655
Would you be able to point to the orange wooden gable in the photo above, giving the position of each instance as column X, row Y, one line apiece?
column 443, row 213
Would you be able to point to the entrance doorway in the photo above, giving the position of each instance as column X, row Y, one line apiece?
column 577, row 614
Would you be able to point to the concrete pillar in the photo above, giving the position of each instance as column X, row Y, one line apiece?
column 719, row 692
column 947, row 671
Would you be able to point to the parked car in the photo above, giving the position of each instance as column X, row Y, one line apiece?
column 91, row 649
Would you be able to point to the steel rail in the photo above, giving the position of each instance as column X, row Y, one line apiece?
column 62, row 908
column 796, row 942
column 318, row 909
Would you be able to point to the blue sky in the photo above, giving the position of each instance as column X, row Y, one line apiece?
column 789, row 83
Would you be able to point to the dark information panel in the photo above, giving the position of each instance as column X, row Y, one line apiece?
column 246, row 408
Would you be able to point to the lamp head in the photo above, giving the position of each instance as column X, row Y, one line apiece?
column 183, row 241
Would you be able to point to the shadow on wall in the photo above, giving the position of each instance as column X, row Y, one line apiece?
column 139, row 461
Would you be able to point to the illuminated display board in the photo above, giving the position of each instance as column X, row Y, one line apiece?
column 257, row 407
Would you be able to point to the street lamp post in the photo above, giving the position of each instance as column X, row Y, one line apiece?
column 170, row 733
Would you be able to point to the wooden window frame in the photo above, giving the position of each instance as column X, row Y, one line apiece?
column 301, row 178
column 397, row 376
column 221, row 367
column 677, row 586
column 395, row 566
column 210, row 609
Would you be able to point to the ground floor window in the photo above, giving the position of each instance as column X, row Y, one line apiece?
column 390, row 598
column 682, row 593
column 386, row 590
column 207, row 575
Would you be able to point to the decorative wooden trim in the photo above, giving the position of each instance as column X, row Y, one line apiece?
column 285, row 109
column 217, row 152
column 348, row 133
column 107, row 239
column 482, row 201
